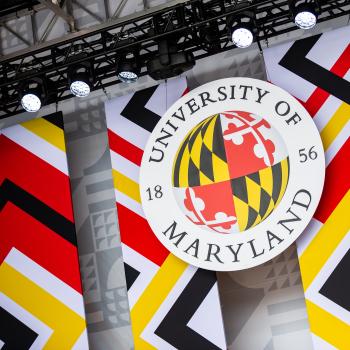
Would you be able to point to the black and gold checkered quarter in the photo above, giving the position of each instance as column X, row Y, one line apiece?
column 201, row 158
column 257, row 194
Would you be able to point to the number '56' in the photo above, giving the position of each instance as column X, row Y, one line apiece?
column 306, row 155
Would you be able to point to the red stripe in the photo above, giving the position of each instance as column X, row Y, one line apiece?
column 39, row 243
column 35, row 176
column 124, row 148
column 337, row 183
column 137, row 234
column 319, row 96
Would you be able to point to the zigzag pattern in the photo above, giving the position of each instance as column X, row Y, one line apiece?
column 41, row 301
column 324, row 247
column 164, row 292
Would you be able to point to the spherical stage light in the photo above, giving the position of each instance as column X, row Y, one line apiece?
column 31, row 102
column 242, row 37
column 80, row 88
column 305, row 19
column 127, row 76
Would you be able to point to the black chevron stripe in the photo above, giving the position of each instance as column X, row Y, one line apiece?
column 131, row 275
column 295, row 60
column 136, row 111
column 10, row 192
column 15, row 334
column 337, row 286
column 56, row 119
column 173, row 327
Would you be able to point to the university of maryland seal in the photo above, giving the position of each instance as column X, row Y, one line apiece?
column 232, row 174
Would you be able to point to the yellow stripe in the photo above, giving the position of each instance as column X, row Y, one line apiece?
column 127, row 186
column 284, row 180
column 241, row 213
column 335, row 125
column 66, row 324
column 183, row 172
column 266, row 179
column 328, row 327
column 47, row 131
column 150, row 301
column 324, row 243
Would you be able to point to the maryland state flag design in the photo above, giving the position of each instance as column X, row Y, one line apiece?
column 230, row 172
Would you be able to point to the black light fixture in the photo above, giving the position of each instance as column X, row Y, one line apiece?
column 169, row 61
column 242, row 29
column 33, row 93
column 128, row 67
column 80, row 78
column 304, row 13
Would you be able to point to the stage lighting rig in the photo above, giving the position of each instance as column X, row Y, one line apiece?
column 304, row 13
column 80, row 78
column 169, row 61
column 242, row 29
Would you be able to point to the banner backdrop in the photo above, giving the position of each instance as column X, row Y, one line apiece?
column 316, row 71
column 41, row 303
column 173, row 304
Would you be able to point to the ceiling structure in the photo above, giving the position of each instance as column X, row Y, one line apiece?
column 46, row 37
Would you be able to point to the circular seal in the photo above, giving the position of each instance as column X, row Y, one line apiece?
column 232, row 174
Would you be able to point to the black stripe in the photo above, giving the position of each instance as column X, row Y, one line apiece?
column 264, row 202
column 206, row 162
column 295, row 60
column 276, row 181
column 136, row 111
column 56, row 119
column 218, row 140
column 10, row 192
column 173, row 327
column 239, row 188
column 15, row 334
column 193, row 137
column 193, row 174
column 252, row 215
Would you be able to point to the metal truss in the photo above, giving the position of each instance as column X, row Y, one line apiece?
column 187, row 21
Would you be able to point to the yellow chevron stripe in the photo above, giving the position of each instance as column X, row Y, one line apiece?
column 47, row 131
column 335, row 125
column 328, row 327
column 324, row 243
column 67, row 326
column 125, row 185
column 154, row 295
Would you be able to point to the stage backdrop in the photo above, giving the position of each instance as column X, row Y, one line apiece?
column 316, row 71
column 41, row 303
column 173, row 304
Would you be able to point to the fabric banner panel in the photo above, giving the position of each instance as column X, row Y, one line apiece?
column 316, row 71
column 41, row 302
column 170, row 301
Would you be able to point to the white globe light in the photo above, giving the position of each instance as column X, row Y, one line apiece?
column 31, row 102
column 80, row 88
column 305, row 20
column 127, row 76
column 242, row 37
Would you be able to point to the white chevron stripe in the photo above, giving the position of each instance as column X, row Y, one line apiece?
column 124, row 166
column 147, row 271
column 338, row 142
column 129, row 203
column 37, row 146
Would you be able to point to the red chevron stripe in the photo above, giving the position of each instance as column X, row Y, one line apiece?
column 137, row 234
column 39, row 243
column 337, row 183
column 36, row 176
column 124, row 148
column 319, row 96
